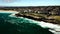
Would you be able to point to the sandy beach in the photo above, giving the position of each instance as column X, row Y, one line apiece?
column 9, row 11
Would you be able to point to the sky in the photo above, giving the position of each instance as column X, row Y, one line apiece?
column 29, row 2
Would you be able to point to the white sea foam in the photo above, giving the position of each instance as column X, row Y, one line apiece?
column 55, row 27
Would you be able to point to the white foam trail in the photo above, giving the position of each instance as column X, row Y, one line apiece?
column 44, row 24
column 55, row 27
column 13, row 14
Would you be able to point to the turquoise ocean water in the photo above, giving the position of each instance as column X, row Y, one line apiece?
column 13, row 25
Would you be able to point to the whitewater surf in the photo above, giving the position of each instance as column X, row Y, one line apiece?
column 21, row 24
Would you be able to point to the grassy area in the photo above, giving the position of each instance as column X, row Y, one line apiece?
column 57, row 18
column 34, row 14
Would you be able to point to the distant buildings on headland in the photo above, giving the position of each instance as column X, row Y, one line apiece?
column 54, row 10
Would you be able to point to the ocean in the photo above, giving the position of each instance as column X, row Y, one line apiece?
column 20, row 25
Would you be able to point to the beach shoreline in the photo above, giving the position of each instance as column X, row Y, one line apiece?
column 7, row 11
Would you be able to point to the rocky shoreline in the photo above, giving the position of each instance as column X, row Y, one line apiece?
column 30, row 17
column 38, row 18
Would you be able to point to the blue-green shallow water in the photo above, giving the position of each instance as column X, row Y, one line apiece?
column 12, row 25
